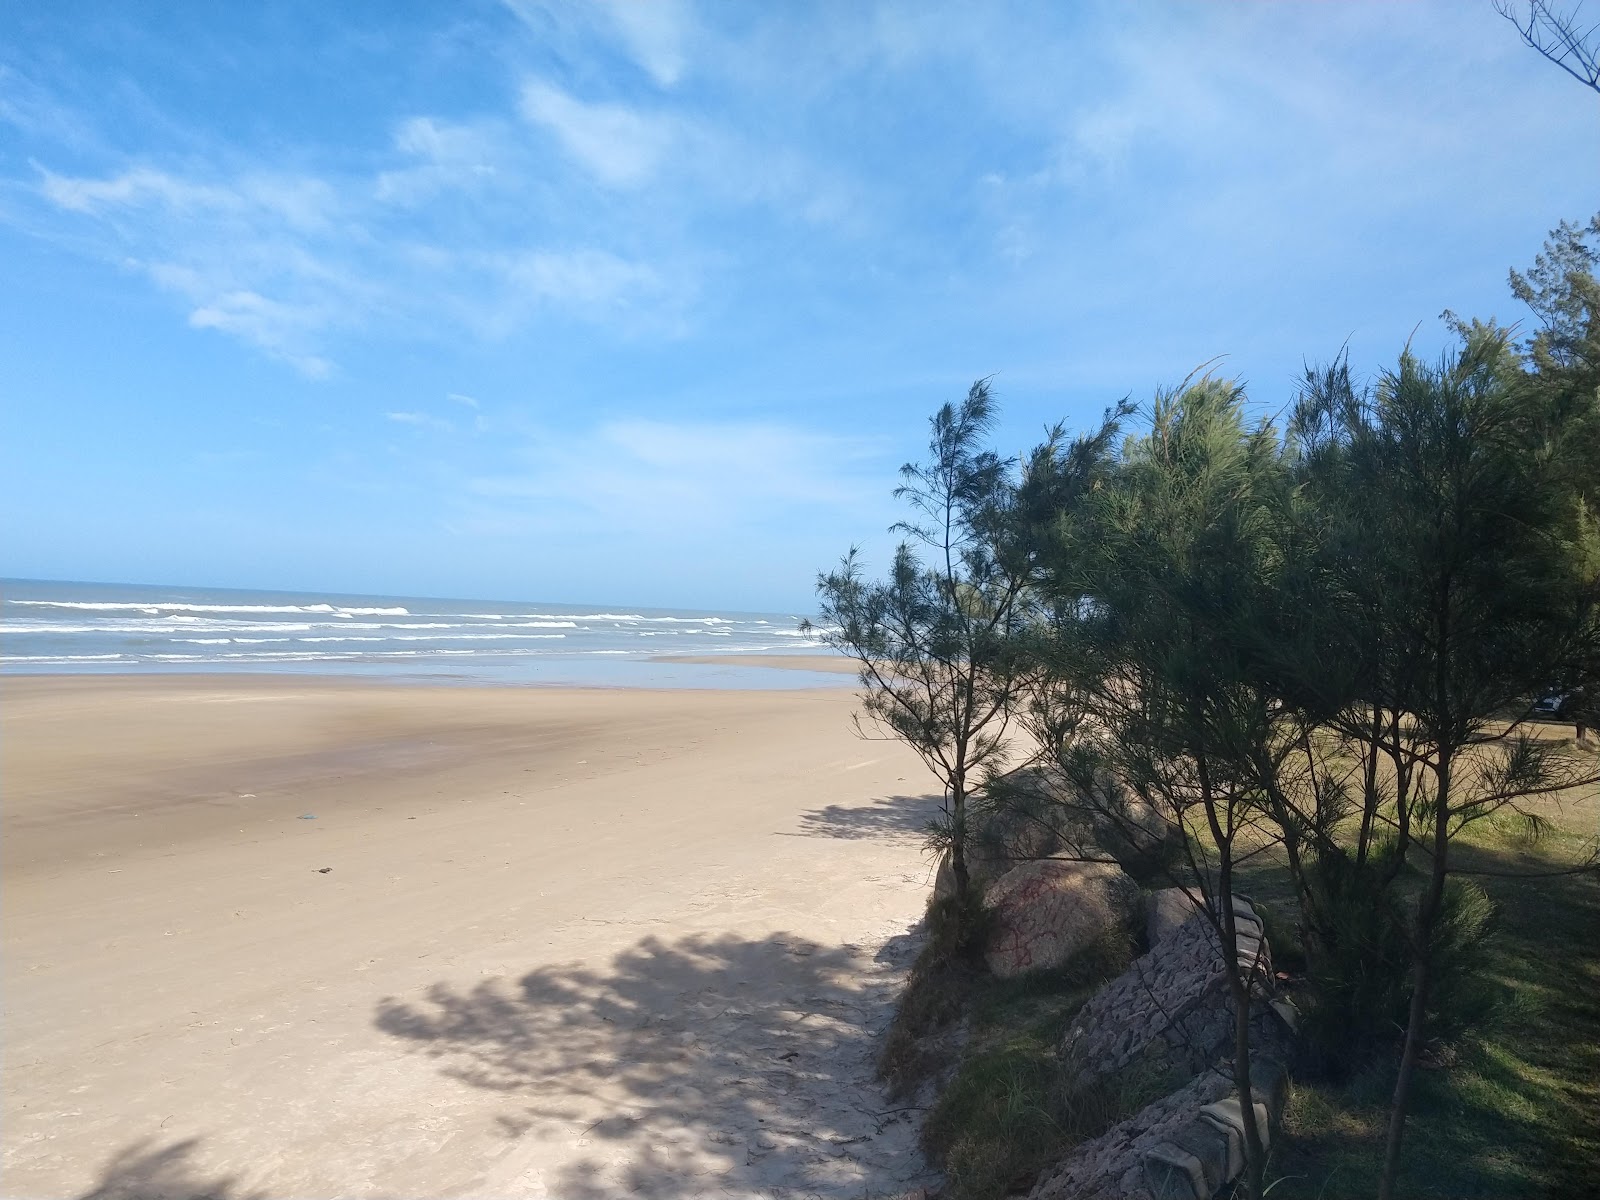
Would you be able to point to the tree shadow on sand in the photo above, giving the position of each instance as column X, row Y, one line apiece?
column 148, row 1171
column 891, row 818
column 696, row 1066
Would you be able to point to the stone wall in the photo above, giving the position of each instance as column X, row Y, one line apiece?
column 1172, row 1010
column 1111, row 1167
column 1173, row 1002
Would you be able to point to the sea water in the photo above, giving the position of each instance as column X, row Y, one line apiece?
column 56, row 627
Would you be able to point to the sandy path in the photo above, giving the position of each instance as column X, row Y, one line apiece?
column 572, row 943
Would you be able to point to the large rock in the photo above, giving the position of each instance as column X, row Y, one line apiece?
column 1135, row 833
column 1168, row 910
column 1046, row 912
column 1023, row 817
column 1030, row 814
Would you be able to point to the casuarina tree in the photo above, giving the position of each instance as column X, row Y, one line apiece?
column 936, row 640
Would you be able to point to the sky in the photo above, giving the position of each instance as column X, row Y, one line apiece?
column 646, row 302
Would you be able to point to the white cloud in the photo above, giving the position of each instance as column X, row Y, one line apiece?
column 654, row 33
column 617, row 145
column 469, row 401
column 445, row 156
column 299, row 203
column 269, row 324
column 422, row 420
column 285, row 262
column 642, row 475
column 586, row 279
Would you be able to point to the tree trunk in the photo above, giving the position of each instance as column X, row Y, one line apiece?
column 958, row 838
column 1254, row 1156
column 958, row 867
column 1369, row 791
column 1427, row 917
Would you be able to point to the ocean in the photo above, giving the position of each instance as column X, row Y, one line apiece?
column 57, row 627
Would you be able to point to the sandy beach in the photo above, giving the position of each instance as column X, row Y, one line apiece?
column 290, row 937
column 830, row 664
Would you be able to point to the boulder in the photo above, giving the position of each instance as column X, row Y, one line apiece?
column 1017, row 821
column 1135, row 833
column 1167, row 910
column 1046, row 912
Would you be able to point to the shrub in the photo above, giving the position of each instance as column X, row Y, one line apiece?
column 1361, row 958
column 937, row 992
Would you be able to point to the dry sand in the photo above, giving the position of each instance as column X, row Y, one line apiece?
column 289, row 938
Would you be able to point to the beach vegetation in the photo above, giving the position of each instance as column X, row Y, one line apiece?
column 1161, row 590
column 941, row 642
column 1003, row 1114
column 1311, row 649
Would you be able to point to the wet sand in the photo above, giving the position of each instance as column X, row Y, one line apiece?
column 832, row 664
column 283, row 937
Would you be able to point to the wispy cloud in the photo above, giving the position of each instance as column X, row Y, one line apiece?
column 444, row 156
column 421, row 420
column 620, row 146
column 283, row 262
column 655, row 33
column 642, row 170
column 648, row 474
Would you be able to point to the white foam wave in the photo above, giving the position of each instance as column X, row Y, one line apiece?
column 157, row 606
column 606, row 616
column 475, row 637
column 60, row 657
column 287, row 656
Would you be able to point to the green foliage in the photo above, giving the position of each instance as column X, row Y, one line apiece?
column 1288, row 948
column 1361, row 977
column 938, row 992
column 935, row 638
column 1358, row 973
column 1511, row 1110
column 1004, row 1115
column 1321, row 642
column 1462, row 997
column 994, row 1127
column 1564, row 295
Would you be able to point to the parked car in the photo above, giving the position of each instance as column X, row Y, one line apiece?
column 1558, row 702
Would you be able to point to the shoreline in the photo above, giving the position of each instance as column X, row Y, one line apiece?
column 832, row 664
column 642, row 672
column 379, row 937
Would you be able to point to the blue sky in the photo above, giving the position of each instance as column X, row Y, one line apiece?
column 646, row 302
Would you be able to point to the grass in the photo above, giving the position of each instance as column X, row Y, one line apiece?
column 1514, row 1109
column 1511, row 1111
column 1002, row 1116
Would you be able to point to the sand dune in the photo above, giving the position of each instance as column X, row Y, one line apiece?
column 293, row 938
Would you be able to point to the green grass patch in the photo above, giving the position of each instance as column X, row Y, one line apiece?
column 1004, row 1115
column 1511, row 1110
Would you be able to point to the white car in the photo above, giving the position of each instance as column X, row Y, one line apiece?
column 1556, row 703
